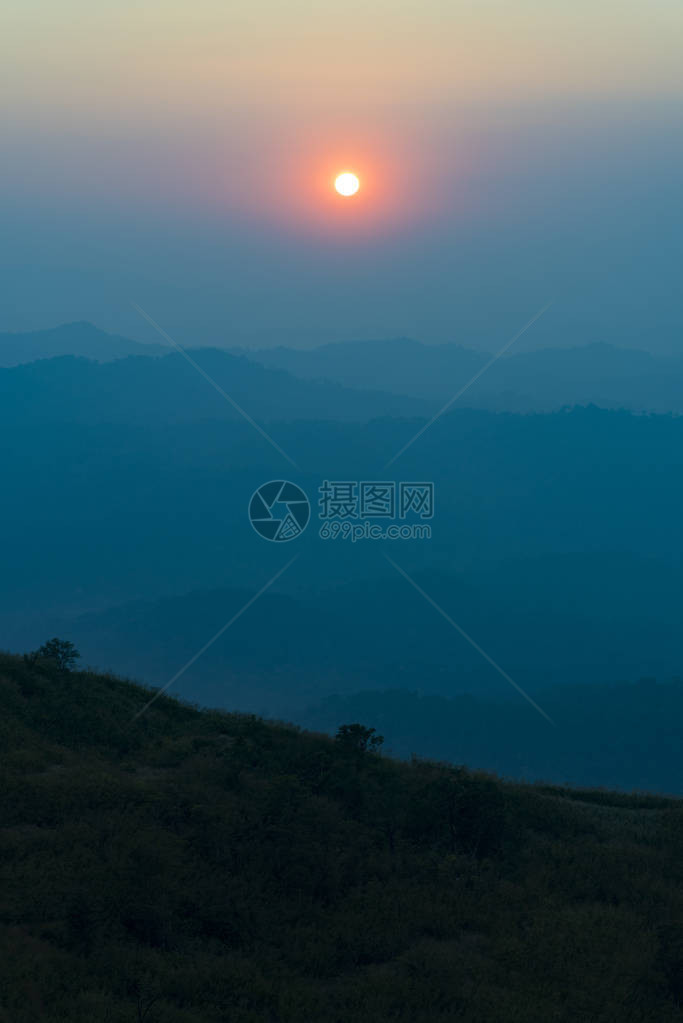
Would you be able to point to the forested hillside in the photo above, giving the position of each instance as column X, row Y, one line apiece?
column 191, row 867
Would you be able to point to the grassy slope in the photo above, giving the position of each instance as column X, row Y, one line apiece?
column 209, row 867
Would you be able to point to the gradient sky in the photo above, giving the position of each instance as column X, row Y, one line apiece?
column 181, row 156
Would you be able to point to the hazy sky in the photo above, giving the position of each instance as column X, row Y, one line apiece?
column 182, row 156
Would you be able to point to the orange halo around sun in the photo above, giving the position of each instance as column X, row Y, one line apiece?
column 346, row 184
column 308, row 192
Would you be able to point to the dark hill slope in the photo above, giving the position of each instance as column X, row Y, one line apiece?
column 195, row 867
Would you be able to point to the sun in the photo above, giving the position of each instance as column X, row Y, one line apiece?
column 347, row 184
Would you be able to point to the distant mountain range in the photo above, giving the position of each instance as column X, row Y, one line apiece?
column 291, row 659
column 82, row 339
column 137, row 390
column 96, row 513
column 343, row 374
column 556, row 544
column 400, row 365
column 540, row 380
column 627, row 735
column 549, row 621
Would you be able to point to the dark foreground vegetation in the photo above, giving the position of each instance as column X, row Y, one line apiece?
column 192, row 867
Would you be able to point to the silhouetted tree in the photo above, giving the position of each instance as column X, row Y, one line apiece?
column 61, row 651
column 359, row 738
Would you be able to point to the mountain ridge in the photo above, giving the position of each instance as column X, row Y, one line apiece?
column 136, row 389
column 79, row 338
column 402, row 370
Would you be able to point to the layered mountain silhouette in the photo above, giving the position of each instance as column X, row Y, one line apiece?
column 400, row 365
column 628, row 735
column 540, row 380
column 139, row 390
column 423, row 687
column 81, row 338
column 522, row 381
column 126, row 491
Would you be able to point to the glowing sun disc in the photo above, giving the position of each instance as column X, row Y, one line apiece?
column 347, row 184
